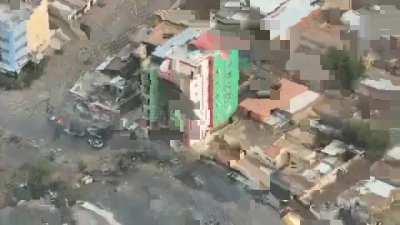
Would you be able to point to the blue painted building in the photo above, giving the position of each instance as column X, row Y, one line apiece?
column 13, row 39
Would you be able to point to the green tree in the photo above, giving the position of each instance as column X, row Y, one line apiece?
column 346, row 69
column 82, row 166
column 321, row 139
column 359, row 133
column 65, row 194
column 39, row 178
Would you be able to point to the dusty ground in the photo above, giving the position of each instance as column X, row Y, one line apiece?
column 23, row 111
column 149, row 193
column 189, row 195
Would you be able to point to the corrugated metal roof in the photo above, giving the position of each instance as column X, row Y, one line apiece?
column 261, row 108
column 323, row 168
column 178, row 40
column 394, row 153
column 381, row 84
column 334, row 148
column 377, row 187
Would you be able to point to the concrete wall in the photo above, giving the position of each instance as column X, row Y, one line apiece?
column 279, row 162
column 301, row 101
column 13, row 46
column 38, row 29
column 199, row 94
column 338, row 4
column 259, row 175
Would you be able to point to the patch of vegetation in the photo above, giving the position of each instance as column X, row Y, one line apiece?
column 34, row 181
column 66, row 195
column 154, row 20
column 39, row 178
column 360, row 133
column 304, row 124
column 346, row 69
column 29, row 73
column 322, row 140
column 82, row 166
column 29, row 181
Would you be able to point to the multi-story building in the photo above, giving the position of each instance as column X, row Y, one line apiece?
column 69, row 10
column 38, row 28
column 195, row 87
column 13, row 38
column 24, row 32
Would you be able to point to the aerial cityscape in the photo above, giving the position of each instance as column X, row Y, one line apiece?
column 199, row 112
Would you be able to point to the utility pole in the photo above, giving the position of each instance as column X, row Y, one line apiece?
column 135, row 5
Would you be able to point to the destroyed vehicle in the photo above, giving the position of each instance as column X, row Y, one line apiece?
column 87, row 180
column 97, row 136
column 96, row 133
column 82, row 109
column 106, row 93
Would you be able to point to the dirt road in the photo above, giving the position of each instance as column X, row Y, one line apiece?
column 22, row 111
column 146, row 195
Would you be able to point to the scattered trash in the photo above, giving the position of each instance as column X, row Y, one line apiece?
column 53, row 195
column 199, row 181
column 14, row 139
column 175, row 161
column 84, row 56
column 86, row 179
column 76, row 186
column 212, row 222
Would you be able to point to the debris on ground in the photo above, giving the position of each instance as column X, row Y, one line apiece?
column 87, row 180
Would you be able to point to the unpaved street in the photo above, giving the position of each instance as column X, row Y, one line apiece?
column 185, row 193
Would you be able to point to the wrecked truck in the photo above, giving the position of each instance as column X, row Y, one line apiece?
column 96, row 134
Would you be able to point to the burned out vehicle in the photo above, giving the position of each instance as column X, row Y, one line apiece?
column 96, row 133
column 96, row 102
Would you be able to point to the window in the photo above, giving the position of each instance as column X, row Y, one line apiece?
column 20, row 36
column 21, row 58
column 4, row 50
column 21, row 47
column 4, row 61
column 3, row 39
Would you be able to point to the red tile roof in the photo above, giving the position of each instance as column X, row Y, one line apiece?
column 260, row 109
column 208, row 41
column 215, row 41
column 310, row 20
column 273, row 151
column 313, row 27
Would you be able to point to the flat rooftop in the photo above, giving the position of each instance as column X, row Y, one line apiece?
column 10, row 18
column 178, row 40
column 191, row 57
